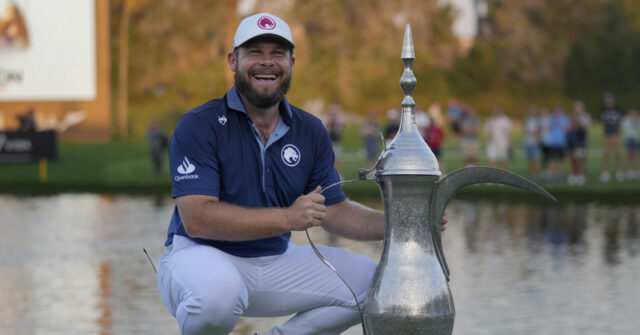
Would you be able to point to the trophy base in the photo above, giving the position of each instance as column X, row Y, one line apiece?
column 391, row 324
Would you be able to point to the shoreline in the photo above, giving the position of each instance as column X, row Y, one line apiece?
column 124, row 167
column 607, row 193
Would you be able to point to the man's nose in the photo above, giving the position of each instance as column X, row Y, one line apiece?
column 267, row 60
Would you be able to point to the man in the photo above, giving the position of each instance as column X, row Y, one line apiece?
column 630, row 130
column 554, row 137
column 611, row 116
column 334, row 122
column 247, row 169
column 498, row 131
column 470, row 126
column 157, row 144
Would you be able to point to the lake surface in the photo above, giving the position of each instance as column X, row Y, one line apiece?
column 73, row 264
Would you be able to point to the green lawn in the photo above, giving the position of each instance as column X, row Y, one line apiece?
column 125, row 166
column 592, row 190
column 119, row 166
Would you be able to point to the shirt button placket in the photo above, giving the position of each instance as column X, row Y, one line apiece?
column 268, row 178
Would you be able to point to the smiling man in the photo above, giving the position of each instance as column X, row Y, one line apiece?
column 247, row 169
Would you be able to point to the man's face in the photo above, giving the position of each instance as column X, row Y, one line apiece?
column 609, row 102
column 262, row 71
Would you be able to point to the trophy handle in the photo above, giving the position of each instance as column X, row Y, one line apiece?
column 446, row 187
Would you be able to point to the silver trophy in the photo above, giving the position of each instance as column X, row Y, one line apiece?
column 410, row 291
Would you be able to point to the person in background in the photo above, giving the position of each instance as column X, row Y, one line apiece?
column 455, row 115
column 544, row 114
column 497, row 129
column 435, row 114
column 422, row 119
column 27, row 121
column 334, row 122
column 433, row 134
column 370, row 132
column 610, row 117
column 531, row 127
column 470, row 126
column 631, row 137
column 577, row 143
column 393, row 125
column 157, row 144
column 554, row 136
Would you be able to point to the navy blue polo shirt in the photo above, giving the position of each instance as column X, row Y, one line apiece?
column 216, row 150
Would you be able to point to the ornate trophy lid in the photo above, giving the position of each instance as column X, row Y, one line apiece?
column 408, row 153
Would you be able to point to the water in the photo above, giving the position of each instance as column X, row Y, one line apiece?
column 73, row 264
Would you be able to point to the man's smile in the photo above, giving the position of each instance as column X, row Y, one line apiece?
column 265, row 76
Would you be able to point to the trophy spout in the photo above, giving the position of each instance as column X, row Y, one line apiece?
column 449, row 185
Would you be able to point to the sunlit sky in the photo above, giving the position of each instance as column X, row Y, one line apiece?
column 465, row 23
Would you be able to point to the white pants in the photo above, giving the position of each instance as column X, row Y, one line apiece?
column 208, row 290
column 497, row 151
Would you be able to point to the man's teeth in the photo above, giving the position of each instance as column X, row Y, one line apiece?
column 265, row 76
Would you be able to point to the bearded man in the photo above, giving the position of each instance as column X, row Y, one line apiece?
column 247, row 169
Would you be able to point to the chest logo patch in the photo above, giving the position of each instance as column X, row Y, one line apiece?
column 222, row 119
column 290, row 155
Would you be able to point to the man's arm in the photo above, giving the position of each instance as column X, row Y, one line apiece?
column 355, row 221
column 352, row 220
column 207, row 217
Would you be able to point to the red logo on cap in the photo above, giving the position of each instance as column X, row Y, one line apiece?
column 266, row 23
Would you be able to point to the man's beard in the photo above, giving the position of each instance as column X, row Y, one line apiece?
column 257, row 99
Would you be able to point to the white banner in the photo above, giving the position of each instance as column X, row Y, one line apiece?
column 47, row 50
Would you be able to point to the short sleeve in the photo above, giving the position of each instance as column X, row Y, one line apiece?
column 193, row 158
column 324, row 172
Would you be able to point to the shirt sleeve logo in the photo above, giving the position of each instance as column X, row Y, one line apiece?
column 186, row 167
column 290, row 155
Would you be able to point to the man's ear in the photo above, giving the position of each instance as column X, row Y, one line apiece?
column 231, row 59
column 293, row 60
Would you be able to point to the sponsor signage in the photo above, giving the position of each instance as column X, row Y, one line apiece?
column 22, row 147
column 47, row 50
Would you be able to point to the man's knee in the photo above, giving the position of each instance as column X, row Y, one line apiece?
column 209, row 300
column 214, row 312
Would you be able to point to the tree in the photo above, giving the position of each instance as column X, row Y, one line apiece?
column 128, row 6
column 606, row 56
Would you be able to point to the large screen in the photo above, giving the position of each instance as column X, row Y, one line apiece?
column 47, row 50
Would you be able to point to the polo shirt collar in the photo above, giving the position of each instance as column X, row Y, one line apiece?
column 234, row 102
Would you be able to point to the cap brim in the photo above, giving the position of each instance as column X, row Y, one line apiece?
column 274, row 36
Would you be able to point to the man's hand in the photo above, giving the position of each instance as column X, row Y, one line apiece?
column 444, row 222
column 307, row 211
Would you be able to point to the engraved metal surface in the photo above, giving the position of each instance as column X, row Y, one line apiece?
column 409, row 290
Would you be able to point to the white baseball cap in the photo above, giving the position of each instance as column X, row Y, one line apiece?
column 262, row 24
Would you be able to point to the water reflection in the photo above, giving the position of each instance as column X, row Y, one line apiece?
column 532, row 269
column 73, row 264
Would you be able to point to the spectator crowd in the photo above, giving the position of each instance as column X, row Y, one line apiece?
column 554, row 142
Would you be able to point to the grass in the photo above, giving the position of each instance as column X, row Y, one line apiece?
column 119, row 166
column 124, row 166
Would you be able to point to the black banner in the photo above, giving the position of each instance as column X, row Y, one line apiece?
column 22, row 147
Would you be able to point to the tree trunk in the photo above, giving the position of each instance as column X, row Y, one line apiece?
column 230, row 30
column 123, row 71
